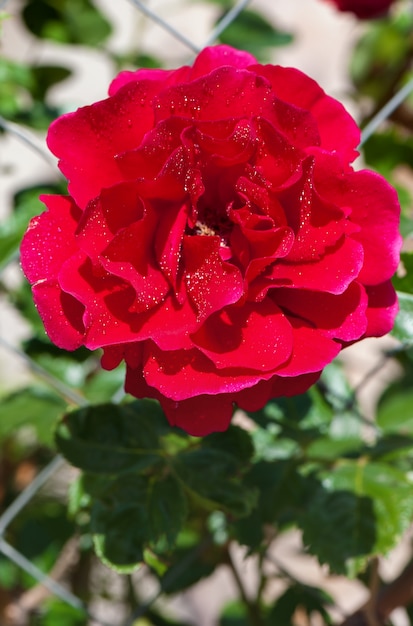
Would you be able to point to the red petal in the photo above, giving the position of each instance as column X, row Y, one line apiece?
column 338, row 131
column 226, row 92
column 317, row 225
column 107, row 300
column 200, row 416
column 88, row 140
column 213, row 57
column 340, row 316
column 49, row 240
column 372, row 205
column 382, row 309
column 159, row 76
column 312, row 351
column 332, row 273
column 253, row 336
column 61, row 315
column 211, row 283
column 256, row 397
column 182, row 374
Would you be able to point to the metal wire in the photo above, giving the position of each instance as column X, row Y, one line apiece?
column 157, row 19
column 69, row 394
column 384, row 113
column 30, row 140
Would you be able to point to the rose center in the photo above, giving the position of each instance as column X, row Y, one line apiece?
column 212, row 222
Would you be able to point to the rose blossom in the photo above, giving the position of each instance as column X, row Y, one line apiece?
column 364, row 9
column 215, row 237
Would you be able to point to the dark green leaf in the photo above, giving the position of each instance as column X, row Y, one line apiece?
column 167, row 508
column 310, row 600
column 212, row 476
column 110, row 438
column 364, row 511
column 66, row 21
column 119, row 521
column 234, row 441
column 46, row 76
column 339, row 525
column 283, row 493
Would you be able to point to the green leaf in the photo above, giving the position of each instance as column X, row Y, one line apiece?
column 120, row 523
column 109, row 438
column 403, row 327
column 46, row 76
column 327, row 448
column 58, row 612
column 234, row 441
column 395, row 413
column 66, row 21
column 283, row 493
column 310, row 600
column 288, row 424
column 212, row 478
column 405, row 282
column 167, row 508
column 234, row 613
column 363, row 509
column 380, row 56
column 253, row 32
column 339, row 525
column 36, row 407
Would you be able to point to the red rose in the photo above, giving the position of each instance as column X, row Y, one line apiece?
column 364, row 9
column 215, row 237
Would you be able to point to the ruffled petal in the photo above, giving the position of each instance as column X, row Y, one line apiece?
column 50, row 239
column 338, row 131
column 212, row 284
column 341, row 316
column 227, row 337
column 382, row 309
column 88, row 140
column 62, row 315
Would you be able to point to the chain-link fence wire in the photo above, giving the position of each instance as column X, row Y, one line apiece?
column 73, row 397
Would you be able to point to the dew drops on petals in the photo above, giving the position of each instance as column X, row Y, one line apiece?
column 216, row 237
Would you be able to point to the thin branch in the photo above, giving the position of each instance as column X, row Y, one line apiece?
column 254, row 613
column 398, row 593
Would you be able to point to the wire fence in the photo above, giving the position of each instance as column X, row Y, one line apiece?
column 68, row 393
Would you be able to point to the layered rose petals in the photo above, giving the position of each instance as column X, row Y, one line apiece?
column 216, row 239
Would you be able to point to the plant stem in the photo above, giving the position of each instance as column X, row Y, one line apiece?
column 254, row 614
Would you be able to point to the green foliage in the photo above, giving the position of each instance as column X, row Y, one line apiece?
column 23, row 97
column 253, row 32
column 381, row 55
column 58, row 612
column 66, row 21
column 34, row 407
column 309, row 599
